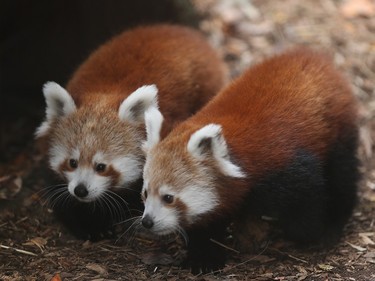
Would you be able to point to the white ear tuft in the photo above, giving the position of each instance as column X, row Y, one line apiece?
column 209, row 141
column 154, row 120
column 59, row 103
column 201, row 141
column 135, row 105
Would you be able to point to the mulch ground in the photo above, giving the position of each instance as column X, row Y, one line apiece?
column 33, row 246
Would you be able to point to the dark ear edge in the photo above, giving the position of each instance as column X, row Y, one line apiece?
column 210, row 142
column 59, row 104
column 133, row 108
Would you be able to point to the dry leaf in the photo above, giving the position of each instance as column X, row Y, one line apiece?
column 369, row 197
column 370, row 255
column 57, row 277
column 267, row 275
column 300, row 269
column 366, row 239
column 371, row 185
column 97, row 268
column 86, row 244
column 356, row 8
column 10, row 186
column 358, row 248
column 157, row 258
column 366, row 141
column 40, row 242
column 325, row 267
column 303, row 274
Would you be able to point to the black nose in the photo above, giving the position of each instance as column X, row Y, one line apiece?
column 147, row 222
column 81, row 191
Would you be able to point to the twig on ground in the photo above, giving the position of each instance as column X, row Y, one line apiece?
column 18, row 250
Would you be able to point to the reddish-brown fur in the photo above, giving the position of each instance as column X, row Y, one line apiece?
column 290, row 127
column 292, row 101
column 186, row 70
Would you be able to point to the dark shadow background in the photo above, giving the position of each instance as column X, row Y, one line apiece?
column 46, row 40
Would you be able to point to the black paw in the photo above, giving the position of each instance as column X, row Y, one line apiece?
column 208, row 260
column 205, row 252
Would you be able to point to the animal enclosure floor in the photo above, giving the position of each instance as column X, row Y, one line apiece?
column 33, row 246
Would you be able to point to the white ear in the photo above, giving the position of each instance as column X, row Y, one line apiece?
column 59, row 103
column 133, row 108
column 154, row 120
column 209, row 141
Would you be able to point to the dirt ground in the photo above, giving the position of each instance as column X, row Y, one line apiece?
column 33, row 246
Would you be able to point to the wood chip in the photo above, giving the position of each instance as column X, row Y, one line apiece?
column 97, row 268
column 366, row 239
column 40, row 242
column 358, row 248
column 325, row 267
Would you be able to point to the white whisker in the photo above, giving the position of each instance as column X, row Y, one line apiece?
column 184, row 235
column 57, row 199
column 137, row 221
column 47, row 188
column 125, row 221
column 123, row 187
column 117, row 205
column 48, row 192
column 108, row 204
column 67, row 200
column 100, row 205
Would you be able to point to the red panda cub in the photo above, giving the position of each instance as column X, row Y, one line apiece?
column 280, row 141
column 95, row 126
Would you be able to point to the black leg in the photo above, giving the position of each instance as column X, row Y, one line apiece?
column 204, row 255
column 295, row 197
column 342, row 174
column 310, row 201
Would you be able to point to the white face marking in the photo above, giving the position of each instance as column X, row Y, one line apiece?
column 99, row 158
column 199, row 200
column 58, row 155
column 165, row 218
column 130, row 170
column 96, row 185
column 75, row 154
column 129, row 167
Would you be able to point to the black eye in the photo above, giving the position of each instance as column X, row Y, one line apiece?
column 145, row 194
column 168, row 198
column 100, row 167
column 73, row 163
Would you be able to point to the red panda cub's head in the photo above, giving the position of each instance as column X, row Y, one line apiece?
column 93, row 147
column 181, row 173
